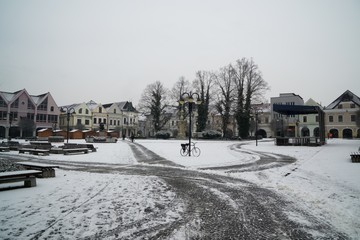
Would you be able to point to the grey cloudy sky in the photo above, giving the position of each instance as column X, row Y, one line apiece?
column 109, row 51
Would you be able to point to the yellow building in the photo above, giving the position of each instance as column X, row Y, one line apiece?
column 341, row 116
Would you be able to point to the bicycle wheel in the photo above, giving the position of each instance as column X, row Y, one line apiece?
column 183, row 152
column 195, row 151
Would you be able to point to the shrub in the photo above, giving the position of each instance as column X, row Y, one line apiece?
column 162, row 134
column 211, row 134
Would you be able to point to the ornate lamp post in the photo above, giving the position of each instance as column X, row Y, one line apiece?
column 256, row 111
column 10, row 121
column 69, row 111
column 54, row 128
column 190, row 100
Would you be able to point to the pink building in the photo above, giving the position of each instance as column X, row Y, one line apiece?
column 22, row 114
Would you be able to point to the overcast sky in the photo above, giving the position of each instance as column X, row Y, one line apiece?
column 108, row 51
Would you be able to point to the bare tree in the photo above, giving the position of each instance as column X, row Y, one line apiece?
column 181, row 86
column 203, row 84
column 27, row 126
column 224, row 81
column 153, row 102
column 250, row 86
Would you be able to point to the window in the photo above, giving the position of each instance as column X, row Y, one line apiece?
column 52, row 118
column 15, row 104
column 340, row 118
column 104, row 120
column 43, row 105
column 340, row 106
column 100, row 109
column 94, row 120
column 87, row 111
column 304, row 119
column 2, row 103
column 41, row 118
column 111, row 121
column 331, row 118
column 352, row 105
column 78, row 121
column 124, row 120
column 30, row 105
column 13, row 116
column 87, row 122
column 31, row 116
column 52, row 108
column 80, row 111
column 3, row 115
column 266, row 120
column 353, row 118
column 114, row 110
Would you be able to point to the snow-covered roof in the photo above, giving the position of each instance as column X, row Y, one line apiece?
column 347, row 96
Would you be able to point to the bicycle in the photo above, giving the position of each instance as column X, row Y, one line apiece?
column 184, row 151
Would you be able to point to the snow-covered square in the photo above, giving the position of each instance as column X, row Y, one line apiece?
column 147, row 189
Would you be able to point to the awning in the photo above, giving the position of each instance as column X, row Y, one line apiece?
column 296, row 109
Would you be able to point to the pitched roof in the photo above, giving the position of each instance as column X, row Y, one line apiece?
column 12, row 96
column 347, row 96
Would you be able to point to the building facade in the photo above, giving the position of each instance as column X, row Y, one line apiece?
column 21, row 114
column 308, row 124
column 285, row 125
column 118, row 117
column 341, row 116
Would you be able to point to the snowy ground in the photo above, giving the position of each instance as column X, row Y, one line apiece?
column 322, row 180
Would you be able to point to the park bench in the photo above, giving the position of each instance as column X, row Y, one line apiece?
column 4, row 149
column 41, row 145
column 12, row 145
column 46, row 169
column 28, row 176
column 34, row 151
column 75, row 150
column 355, row 156
column 77, row 145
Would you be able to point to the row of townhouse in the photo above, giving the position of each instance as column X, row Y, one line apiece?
column 341, row 119
column 120, row 117
column 22, row 115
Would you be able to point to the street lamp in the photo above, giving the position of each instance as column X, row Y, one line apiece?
column 256, row 111
column 10, row 121
column 190, row 99
column 69, row 111
column 54, row 128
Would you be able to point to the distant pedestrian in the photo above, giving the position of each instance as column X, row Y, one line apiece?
column 132, row 137
column 123, row 136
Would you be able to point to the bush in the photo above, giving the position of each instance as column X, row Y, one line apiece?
column 211, row 134
column 162, row 134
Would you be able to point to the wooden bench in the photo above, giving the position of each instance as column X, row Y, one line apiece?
column 12, row 145
column 46, row 169
column 4, row 149
column 28, row 176
column 355, row 157
column 76, row 145
column 41, row 145
column 35, row 151
column 75, row 150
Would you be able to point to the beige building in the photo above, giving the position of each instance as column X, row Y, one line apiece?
column 341, row 116
column 120, row 117
column 308, row 124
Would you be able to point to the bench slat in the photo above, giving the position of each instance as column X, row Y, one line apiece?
column 19, row 173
